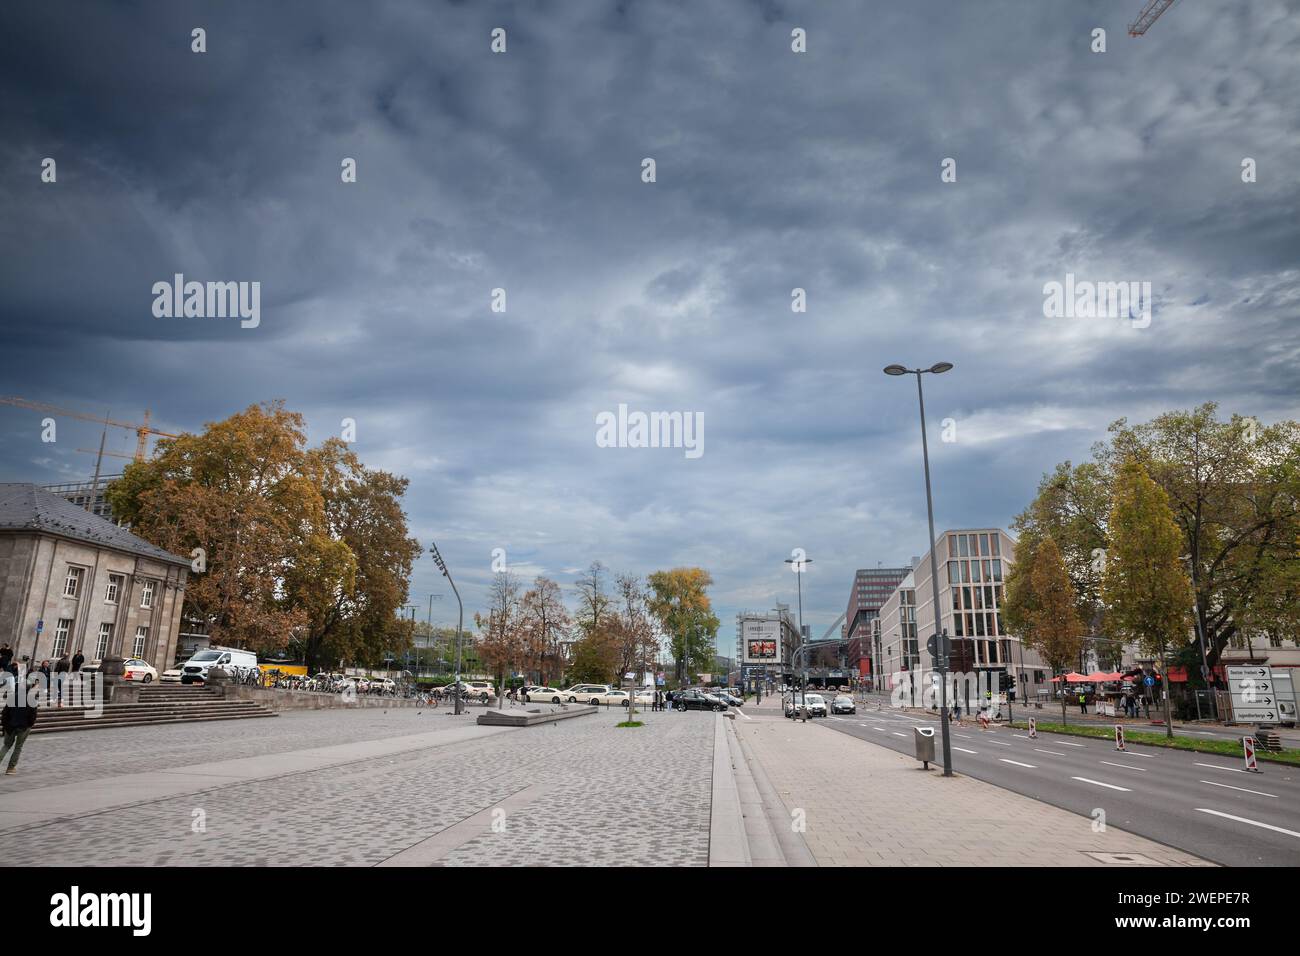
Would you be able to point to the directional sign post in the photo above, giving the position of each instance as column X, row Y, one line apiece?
column 1248, row 748
column 1119, row 736
column 1253, row 697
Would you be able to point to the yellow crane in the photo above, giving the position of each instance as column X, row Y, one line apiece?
column 142, row 429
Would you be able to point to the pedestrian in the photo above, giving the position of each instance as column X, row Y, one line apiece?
column 77, row 660
column 60, row 678
column 17, row 722
column 1083, row 703
column 6, row 655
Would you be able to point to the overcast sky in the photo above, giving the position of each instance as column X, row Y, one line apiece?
column 775, row 170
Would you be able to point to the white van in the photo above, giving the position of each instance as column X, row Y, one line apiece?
column 233, row 660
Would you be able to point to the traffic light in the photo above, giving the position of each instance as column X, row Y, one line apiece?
column 1006, row 682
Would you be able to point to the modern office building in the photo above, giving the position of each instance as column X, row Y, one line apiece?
column 765, row 644
column 87, row 494
column 973, row 567
column 72, row 581
column 871, row 588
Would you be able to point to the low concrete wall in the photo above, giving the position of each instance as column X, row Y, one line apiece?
column 280, row 699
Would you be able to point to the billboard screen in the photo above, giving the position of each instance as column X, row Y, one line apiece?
column 760, row 650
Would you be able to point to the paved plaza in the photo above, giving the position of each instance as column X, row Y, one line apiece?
column 364, row 788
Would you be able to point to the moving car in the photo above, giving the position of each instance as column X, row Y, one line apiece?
column 730, row 698
column 843, row 704
column 815, row 703
column 136, row 669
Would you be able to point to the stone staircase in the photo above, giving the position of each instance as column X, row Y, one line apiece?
column 158, row 704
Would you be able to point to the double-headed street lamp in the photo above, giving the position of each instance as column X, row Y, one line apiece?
column 940, row 639
column 460, row 617
column 797, row 566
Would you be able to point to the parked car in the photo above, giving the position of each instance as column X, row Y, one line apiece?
column 545, row 695
column 136, row 669
column 171, row 676
column 730, row 698
column 698, row 700
column 589, row 694
column 843, row 704
column 230, row 658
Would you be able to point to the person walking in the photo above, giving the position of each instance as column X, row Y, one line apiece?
column 17, row 720
column 61, row 667
column 1083, row 703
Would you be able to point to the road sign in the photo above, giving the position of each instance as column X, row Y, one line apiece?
column 1119, row 736
column 1251, row 690
column 1248, row 748
column 1149, row 681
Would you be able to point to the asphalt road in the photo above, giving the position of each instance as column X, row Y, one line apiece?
column 1205, row 804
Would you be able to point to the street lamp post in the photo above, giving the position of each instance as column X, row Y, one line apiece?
column 940, row 643
column 797, row 565
column 460, row 618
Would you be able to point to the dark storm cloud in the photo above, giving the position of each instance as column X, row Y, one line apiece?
column 775, row 171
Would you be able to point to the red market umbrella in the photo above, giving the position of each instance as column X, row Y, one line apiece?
column 1103, row 677
column 1072, row 678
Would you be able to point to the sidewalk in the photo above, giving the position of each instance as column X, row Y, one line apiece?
column 865, row 805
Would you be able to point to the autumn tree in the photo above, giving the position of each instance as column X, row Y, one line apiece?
column 546, row 621
column 680, row 604
column 1147, row 594
column 1042, row 607
column 635, row 633
column 501, row 644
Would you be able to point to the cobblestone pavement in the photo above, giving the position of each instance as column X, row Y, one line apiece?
column 610, row 793
column 84, row 754
column 865, row 805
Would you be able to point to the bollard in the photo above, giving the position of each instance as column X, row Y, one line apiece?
column 1248, row 748
column 1033, row 728
column 1119, row 736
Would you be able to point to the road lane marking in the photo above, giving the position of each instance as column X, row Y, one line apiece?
column 964, row 736
column 743, row 714
column 1054, row 753
column 897, row 734
column 1134, row 753
column 1253, row 823
column 1018, row 763
column 1228, row 786
column 1124, row 765
column 881, row 729
column 1098, row 783
column 965, row 751
column 1023, row 736
column 1066, row 743
column 1216, row 766
column 998, row 742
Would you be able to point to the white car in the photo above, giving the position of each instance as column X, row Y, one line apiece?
column 171, row 676
column 593, row 694
column 143, row 671
column 545, row 695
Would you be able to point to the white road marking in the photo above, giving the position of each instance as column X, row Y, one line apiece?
column 1022, row 736
column 1134, row 753
column 1018, row 763
column 1066, row 743
column 1253, row 823
column 897, row 734
column 964, row 736
column 1124, row 765
column 743, row 714
column 1054, row 753
column 1228, row 786
column 1215, row 766
column 965, row 751
column 881, row 729
column 998, row 742
column 1098, row 783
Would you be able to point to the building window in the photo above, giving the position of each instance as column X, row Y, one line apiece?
column 141, row 638
column 146, row 593
column 984, row 546
column 73, row 583
column 997, row 570
column 114, row 587
column 963, row 549
column 61, row 634
column 105, row 635
column 996, row 538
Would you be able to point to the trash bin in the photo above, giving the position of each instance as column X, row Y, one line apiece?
column 924, row 737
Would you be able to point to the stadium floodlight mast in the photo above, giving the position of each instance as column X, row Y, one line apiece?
column 460, row 618
column 940, row 638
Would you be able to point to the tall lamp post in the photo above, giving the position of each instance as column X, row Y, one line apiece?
column 797, row 566
column 940, row 639
column 460, row 617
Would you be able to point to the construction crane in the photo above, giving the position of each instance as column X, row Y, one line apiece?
column 142, row 430
column 1150, row 13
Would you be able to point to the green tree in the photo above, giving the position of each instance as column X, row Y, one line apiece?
column 680, row 603
column 1043, row 608
column 1147, row 594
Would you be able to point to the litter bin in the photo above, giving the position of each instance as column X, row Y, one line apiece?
column 924, row 737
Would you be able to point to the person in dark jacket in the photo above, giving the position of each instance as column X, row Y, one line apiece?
column 77, row 660
column 61, row 667
column 17, row 722
column 6, row 655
